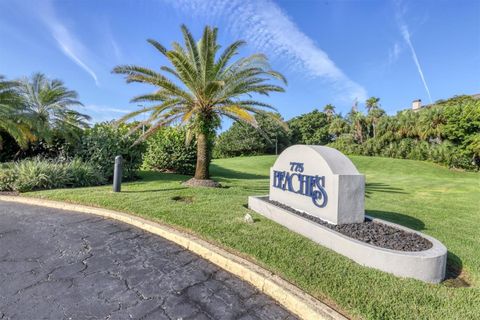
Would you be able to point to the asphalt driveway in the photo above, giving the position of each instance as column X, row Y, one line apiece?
column 66, row 265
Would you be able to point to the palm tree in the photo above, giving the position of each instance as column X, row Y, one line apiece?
column 11, row 120
column 372, row 103
column 329, row 110
column 374, row 116
column 431, row 124
column 209, row 87
column 407, row 124
column 357, row 121
column 338, row 126
column 47, row 104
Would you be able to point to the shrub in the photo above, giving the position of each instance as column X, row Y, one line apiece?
column 83, row 174
column 39, row 174
column 102, row 143
column 167, row 151
column 7, row 177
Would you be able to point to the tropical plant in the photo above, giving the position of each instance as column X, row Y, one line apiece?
column 38, row 174
column 104, row 141
column 372, row 103
column 446, row 133
column 431, row 124
column 407, row 124
column 329, row 110
column 167, row 151
column 337, row 127
column 357, row 121
column 11, row 120
column 373, row 118
column 47, row 106
column 209, row 88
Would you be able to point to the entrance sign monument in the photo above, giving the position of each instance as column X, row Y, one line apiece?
column 324, row 175
column 309, row 184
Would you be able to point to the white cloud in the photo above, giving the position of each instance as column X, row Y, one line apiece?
column 407, row 37
column 268, row 28
column 116, row 49
column 112, row 45
column 67, row 42
column 394, row 53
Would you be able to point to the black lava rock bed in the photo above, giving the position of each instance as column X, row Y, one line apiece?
column 374, row 233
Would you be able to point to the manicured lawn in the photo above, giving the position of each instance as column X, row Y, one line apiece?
column 440, row 202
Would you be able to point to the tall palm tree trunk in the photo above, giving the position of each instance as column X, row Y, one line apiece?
column 201, row 170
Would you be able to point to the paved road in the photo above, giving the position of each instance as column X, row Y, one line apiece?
column 63, row 265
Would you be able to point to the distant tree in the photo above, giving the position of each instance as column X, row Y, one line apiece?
column 447, row 132
column 407, row 124
column 338, row 126
column 206, row 88
column 431, row 124
column 329, row 110
column 310, row 128
column 357, row 124
column 372, row 103
column 373, row 116
column 241, row 140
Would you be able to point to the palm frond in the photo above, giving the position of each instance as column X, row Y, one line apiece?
column 158, row 46
column 191, row 47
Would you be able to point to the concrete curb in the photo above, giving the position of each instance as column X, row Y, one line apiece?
column 288, row 295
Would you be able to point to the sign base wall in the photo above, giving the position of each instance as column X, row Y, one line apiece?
column 428, row 265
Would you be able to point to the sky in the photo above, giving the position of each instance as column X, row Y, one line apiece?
column 334, row 51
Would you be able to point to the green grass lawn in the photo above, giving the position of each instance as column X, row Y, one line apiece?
column 440, row 202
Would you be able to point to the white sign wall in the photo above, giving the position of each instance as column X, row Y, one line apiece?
column 320, row 181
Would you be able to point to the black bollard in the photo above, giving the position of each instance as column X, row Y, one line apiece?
column 117, row 174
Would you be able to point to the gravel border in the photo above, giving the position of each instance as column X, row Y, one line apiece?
column 374, row 233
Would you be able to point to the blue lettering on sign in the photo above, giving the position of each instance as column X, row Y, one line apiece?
column 310, row 186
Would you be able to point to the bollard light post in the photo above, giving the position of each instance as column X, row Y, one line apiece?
column 117, row 174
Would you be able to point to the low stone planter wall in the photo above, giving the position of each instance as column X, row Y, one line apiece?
column 428, row 265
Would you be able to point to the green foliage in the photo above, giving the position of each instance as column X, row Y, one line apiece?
column 167, row 151
column 36, row 117
column 47, row 106
column 12, row 120
column 103, row 142
column 241, row 139
column 445, row 133
column 310, row 128
column 40, row 174
column 7, row 177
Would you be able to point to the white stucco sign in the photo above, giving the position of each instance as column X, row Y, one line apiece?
column 320, row 181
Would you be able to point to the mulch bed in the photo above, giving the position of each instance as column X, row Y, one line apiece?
column 374, row 233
